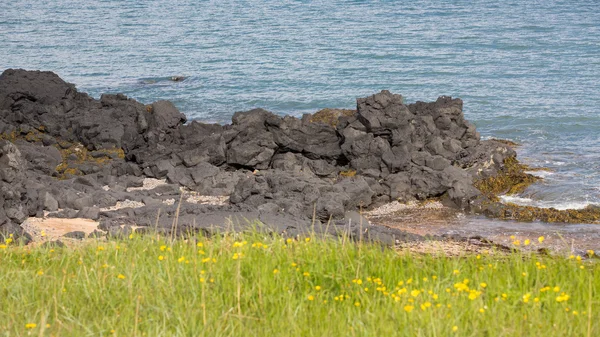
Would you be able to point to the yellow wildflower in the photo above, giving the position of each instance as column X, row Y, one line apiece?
column 275, row 271
column 473, row 294
column 562, row 298
column 121, row 276
column 454, row 328
column 408, row 308
column 527, row 242
column 311, row 297
column 30, row 326
column 317, row 288
column 541, row 239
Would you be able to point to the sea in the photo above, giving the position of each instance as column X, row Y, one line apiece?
column 527, row 71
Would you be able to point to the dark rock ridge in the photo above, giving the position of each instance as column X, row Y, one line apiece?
column 62, row 147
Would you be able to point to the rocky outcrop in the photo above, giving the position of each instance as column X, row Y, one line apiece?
column 83, row 154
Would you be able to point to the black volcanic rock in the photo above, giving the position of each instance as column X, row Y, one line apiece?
column 81, row 154
column 13, row 199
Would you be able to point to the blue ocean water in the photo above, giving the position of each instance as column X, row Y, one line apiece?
column 528, row 71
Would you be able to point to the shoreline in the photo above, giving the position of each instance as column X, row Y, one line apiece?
column 68, row 155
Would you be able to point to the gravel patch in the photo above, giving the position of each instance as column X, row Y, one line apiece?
column 148, row 184
column 123, row 204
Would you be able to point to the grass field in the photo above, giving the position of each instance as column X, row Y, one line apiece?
column 259, row 285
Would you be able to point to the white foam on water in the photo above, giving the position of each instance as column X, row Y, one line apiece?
column 555, row 162
column 544, row 204
column 540, row 174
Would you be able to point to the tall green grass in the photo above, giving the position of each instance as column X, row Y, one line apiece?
column 259, row 285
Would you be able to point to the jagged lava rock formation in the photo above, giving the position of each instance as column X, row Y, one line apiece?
column 66, row 151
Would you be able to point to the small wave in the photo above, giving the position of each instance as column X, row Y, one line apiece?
column 540, row 174
column 521, row 201
column 556, row 163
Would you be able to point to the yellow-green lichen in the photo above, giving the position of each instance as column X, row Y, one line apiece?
column 348, row 173
column 68, row 166
column 10, row 136
column 330, row 116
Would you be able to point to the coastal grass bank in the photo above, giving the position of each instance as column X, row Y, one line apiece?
column 259, row 284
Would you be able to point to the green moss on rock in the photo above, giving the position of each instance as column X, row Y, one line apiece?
column 529, row 213
column 511, row 179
